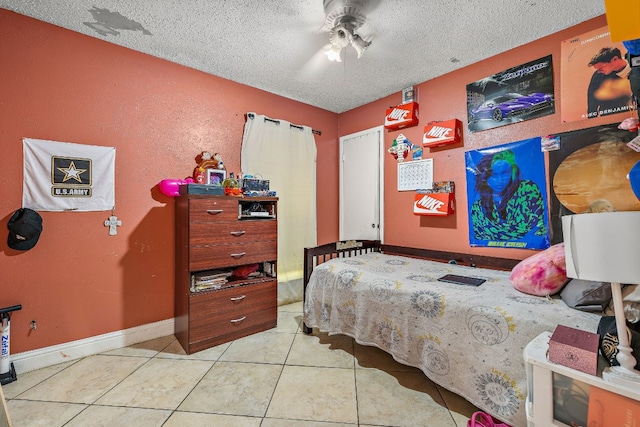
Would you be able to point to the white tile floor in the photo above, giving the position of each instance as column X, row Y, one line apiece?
column 277, row 378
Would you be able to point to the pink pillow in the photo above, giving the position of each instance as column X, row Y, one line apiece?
column 544, row 273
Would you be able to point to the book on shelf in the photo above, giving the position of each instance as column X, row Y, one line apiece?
column 212, row 279
column 204, row 287
column 211, row 275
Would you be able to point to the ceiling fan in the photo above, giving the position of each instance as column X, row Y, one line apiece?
column 344, row 21
column 346, row 25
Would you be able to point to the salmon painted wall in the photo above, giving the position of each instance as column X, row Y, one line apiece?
column 78, row 281
column 445, row 98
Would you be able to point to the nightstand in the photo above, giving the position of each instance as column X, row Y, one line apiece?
column 556, row 394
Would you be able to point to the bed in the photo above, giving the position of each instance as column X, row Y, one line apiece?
column 469, row 340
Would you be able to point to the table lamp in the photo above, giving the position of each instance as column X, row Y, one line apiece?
column 605, row 247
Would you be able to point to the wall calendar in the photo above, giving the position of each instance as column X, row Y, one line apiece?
column 415, row 175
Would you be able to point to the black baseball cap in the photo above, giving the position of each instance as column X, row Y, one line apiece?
column 25, row 226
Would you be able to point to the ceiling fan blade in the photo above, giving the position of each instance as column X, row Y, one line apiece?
column 371, row 5
column 322, row 30
column 364, row 6
column 316, row 64
column 366, row 31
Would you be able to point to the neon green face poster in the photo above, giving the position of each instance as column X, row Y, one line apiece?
column 507, row 196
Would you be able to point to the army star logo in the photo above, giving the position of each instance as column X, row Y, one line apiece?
column 72, row 173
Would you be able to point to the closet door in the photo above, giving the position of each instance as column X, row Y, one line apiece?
column 361, row 185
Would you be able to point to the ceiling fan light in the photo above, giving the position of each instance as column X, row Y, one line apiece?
column 340, row 36
column 333, row 53
column 359, row 44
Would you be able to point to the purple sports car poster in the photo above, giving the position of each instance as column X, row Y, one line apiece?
column 593, row 77
column 520, row 93
column 507, row 196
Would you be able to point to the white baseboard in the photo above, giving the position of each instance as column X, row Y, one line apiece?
column 48, row 356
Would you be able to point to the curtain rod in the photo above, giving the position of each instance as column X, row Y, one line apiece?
column 317, row 132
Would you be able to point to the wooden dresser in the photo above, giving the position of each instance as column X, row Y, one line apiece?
column 214, row 236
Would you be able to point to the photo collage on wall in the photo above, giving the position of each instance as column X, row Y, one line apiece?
column 520, row 93
column 507, row 196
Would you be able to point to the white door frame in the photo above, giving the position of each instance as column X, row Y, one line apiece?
column 380, row 130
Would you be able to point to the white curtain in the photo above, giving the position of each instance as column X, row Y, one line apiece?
column 285, row 154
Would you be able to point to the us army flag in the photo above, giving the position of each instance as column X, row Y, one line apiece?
column 61, row 176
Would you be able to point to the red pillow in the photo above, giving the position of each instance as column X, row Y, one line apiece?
column 544, row 273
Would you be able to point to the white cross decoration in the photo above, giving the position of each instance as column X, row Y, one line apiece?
column 112, row 223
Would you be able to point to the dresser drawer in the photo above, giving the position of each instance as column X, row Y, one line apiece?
column 223, row 232
column 213, row 209
column 233, row 302
column 231, row 313
column 218, row 256
column 204, row 333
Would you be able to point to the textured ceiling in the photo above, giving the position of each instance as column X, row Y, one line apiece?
column 273, row 44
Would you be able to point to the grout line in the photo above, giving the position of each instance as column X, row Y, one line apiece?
column 157, row 355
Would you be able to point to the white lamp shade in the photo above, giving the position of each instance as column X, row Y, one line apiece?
column 603, row 246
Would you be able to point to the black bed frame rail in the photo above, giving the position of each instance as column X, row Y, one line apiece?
column 323, row 253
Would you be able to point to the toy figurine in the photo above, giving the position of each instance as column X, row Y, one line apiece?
column 231, row 186
column 400, row 148
column 200, row 172
column 207, row 161
column 217, row 157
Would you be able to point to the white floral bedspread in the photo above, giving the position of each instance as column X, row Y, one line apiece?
column 467, row 339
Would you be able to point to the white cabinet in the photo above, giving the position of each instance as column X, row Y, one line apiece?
column 557, row 394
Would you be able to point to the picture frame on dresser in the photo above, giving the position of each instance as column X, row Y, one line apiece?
column 216, row 176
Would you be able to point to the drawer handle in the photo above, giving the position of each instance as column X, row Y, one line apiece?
column 238, row 298
column 240, row 255
column 237, row 233
column 238, row 320
column 214, row 211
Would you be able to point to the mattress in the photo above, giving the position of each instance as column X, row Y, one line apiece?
column 467, row 339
